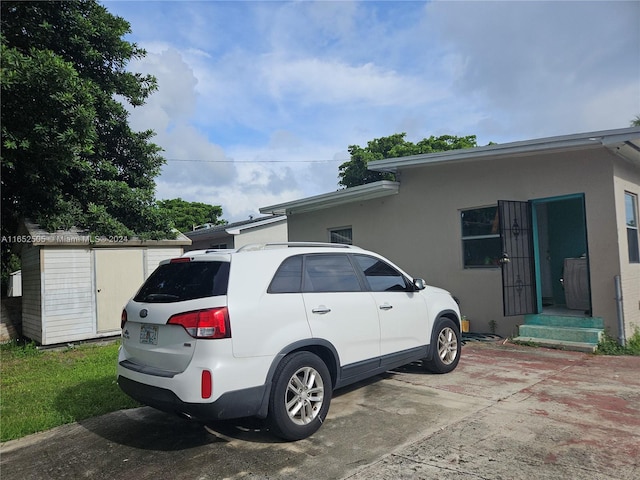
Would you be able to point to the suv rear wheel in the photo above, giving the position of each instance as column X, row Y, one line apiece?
column 446, row 344
column 300, row 396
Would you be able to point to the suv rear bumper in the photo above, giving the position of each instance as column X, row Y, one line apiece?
column 236, row 404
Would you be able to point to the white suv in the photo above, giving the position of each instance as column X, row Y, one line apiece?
column 271, row 330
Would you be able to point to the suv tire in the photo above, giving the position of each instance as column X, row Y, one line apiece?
column 446, row 347
column 300, row 396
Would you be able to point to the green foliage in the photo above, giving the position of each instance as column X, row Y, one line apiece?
column 355, row 172
column 44, row 389
column 19, row 348
column 610, row 346
column 185, row 215
column 633, row 344
column 636, row 121
column 69, row 156
column 12, row 264
column 493, row 325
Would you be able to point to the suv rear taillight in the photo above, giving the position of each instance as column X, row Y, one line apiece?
column 123, row 318
column 211, row 323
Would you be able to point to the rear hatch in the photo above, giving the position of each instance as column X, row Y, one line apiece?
column 178, row 289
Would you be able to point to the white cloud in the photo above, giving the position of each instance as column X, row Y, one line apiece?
column 536, row 65
column 313, row 81
column 260, row 92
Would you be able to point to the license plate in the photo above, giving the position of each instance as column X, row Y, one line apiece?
column 149, row 334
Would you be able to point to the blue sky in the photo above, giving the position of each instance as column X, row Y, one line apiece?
column 259, row 101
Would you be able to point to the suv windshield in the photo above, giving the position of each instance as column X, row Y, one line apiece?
column 176, row 282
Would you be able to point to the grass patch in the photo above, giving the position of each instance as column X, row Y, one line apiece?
column 610, row 346
column 44, row 389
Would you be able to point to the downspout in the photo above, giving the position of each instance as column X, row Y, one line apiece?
column 622, row 340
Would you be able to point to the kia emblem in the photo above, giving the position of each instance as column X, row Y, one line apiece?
column 143, row 313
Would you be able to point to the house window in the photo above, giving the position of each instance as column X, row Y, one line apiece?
column 341, row 235
column 631, row 211
column 481, row 245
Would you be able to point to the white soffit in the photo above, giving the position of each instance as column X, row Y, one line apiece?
column 340, row 197
column 627, row 149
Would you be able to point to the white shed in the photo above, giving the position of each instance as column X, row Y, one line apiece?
column 74, row 286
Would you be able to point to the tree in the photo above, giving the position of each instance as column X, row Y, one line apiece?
column 636, row 121
column 69, row 156
column 355, row 172
column 185, row 215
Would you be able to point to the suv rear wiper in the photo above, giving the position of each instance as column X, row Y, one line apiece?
column 158, row 297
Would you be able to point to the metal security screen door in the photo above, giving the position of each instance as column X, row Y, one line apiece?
column 518, row 270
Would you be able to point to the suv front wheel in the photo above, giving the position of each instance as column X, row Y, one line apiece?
column 446, row 347
column 300, row 396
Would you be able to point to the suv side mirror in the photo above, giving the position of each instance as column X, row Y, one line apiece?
column 418, row 283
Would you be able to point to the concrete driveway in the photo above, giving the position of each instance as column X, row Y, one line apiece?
column 507, row 412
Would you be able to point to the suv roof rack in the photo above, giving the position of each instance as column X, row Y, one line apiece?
column 264, row 246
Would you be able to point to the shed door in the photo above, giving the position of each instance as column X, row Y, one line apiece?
column 518, row 267
column 119, row 274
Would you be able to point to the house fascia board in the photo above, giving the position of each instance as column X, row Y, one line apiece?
column 249, row 226
column 348, row 195
column 219, row 231
column 611, row 139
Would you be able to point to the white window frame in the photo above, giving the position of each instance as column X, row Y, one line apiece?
column 336, row 233
column 631, row 225
column 466, row 238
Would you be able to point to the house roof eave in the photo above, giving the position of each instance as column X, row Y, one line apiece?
column 219, row 231
column 262, row 223
column 368, row 191
column 610, row 139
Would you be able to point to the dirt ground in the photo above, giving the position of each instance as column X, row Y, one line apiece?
column 507, row 412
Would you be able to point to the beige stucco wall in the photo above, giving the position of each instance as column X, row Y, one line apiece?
column 627, row 179
column 420, row 228
column 273, row 232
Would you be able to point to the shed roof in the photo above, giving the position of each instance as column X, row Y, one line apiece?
column 32, row 233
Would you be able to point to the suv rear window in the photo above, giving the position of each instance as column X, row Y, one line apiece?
column 176, row 282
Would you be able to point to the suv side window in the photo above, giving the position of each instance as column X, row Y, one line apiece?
column 381, row 276
column 288, row 278
column 330, row 273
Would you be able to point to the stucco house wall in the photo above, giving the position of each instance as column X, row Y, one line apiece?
column 420, row 229
column 627, row 179
column 238, row 234
column 276, row 232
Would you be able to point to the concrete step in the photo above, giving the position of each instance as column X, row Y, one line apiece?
column 567, row 334
column 564, row 321
column 559, row 344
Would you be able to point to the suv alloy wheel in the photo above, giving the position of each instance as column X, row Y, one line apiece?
column 300, row 396
column 446, row 354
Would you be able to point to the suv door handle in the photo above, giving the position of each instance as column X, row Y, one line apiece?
column 385, row 306
column 321, row 310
